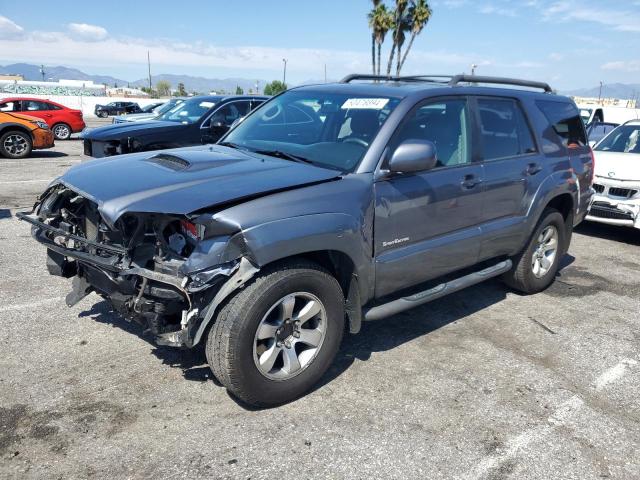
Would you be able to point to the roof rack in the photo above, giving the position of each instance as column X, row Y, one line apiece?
column 450, row 80
column 499, row 80
column 393, row 78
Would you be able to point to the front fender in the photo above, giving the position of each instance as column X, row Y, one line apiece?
column 272, row 241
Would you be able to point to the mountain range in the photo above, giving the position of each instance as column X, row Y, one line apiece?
column 205, row 85
column 191, row 83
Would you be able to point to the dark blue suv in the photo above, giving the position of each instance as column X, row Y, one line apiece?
column 326, row 206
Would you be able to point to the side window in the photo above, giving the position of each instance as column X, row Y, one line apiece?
column 504, row 129
column 565, row 120
column 446, row 124
column 227, row 114
column 9, row 107
column 33, row 106
column 51, row 106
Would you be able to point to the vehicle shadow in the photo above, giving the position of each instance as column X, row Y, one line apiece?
column 374, row 337
column 50, row 154
column 628, row 235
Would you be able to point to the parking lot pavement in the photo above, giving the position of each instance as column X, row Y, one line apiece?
column 484, row 384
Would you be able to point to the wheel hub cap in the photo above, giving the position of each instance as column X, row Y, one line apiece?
column 545, row 253
column 289, row 336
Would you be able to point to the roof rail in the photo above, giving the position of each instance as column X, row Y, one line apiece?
column 392, row 78
column 499, row 80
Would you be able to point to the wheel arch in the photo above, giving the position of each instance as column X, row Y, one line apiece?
column 6, row 127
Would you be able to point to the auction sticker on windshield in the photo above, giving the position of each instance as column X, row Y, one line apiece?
column 365, row 103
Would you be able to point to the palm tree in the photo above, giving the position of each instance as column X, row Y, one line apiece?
column 371, row 17
column 399, row 24
column 381, row 20
column 419, row 15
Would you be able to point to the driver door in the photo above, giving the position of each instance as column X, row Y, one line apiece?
column 427, row 224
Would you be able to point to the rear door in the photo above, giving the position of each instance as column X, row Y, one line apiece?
column 427, row 223
column 513, row 170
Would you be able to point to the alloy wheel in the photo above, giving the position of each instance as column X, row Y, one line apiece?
column 15, row 144
column 545, row 252
column 61, row 132
column 290, row 336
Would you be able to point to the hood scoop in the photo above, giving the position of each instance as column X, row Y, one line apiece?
column 172, row 162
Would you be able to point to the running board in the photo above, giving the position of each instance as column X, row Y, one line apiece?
column 420, row 298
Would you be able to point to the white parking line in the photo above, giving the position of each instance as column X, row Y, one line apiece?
column 26, row 181
column 560, row 415
column 23, row 306
column 24, row 164
column 614, row 373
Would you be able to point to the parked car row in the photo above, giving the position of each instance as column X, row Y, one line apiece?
column 63, row 121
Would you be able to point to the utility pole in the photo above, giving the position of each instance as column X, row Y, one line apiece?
column 325, row 73
column 600, row 93
column 149, row 67
column 42, row 72
column 284, row 73
column 473, row 68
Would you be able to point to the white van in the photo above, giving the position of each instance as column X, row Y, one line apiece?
column 596, row 113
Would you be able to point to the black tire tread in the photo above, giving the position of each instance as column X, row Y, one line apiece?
column 9, row 132
column 225, row 330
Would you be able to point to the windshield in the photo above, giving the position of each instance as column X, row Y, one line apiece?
column 327, row 129
column 585, row 114
column 187, row 112
column 624, row 139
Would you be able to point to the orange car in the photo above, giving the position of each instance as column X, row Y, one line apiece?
column 19, row 134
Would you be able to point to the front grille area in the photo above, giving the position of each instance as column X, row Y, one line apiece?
column 602, row 210
column 87, row 147
column 598, row 188
column 622, row 192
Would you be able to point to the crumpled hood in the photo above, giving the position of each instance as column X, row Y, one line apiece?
column 618, row 166
column 181, row 181
column 117, row 131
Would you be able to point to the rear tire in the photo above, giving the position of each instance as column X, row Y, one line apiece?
column 102, row 114
column 61, row 131
column 258, row 351
column 15, row 144
column 535, row 268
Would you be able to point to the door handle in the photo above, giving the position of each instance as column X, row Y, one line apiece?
column 532, row 169
column 470, row 181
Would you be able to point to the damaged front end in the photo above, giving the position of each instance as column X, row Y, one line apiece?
column 168, row 273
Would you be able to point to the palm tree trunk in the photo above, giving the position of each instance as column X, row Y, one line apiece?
column 379, row 52
column 391, row 55
column 373, row 54
column 398, row 60
column 406, row 52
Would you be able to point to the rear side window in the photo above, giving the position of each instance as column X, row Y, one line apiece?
column 566, row 122
column 504, row 129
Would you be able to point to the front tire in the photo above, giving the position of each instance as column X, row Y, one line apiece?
column 536, row 266
column 278, row 335
column 15, row 144
column 61, row 131
column 102, row 114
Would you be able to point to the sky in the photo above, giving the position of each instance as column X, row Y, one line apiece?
column 570, row 44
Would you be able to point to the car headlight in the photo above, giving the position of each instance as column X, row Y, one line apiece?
column 42, row 125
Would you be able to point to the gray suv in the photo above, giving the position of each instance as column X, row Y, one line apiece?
column 327, row 206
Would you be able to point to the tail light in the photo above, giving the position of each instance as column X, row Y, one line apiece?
column 593, row 165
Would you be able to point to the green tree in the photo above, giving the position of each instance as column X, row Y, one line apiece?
column 239, row 90
column 274, row 87
column 181, row 90
column 163, row 87
column 419, row 15
column 400, row 25
column 381, row 20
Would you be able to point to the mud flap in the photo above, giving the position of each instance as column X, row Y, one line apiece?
column 80, row 290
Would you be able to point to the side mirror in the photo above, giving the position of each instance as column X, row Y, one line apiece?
column 413, row 155
column 217, row 125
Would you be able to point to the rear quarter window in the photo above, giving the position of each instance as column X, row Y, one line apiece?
column 565, row 119
column 504, row 129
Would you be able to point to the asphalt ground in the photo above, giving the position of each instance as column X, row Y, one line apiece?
column 483, row 384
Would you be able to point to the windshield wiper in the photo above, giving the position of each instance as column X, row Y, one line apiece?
column 284, row 155
column 231, row 145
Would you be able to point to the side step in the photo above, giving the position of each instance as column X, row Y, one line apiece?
column 420, row 298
